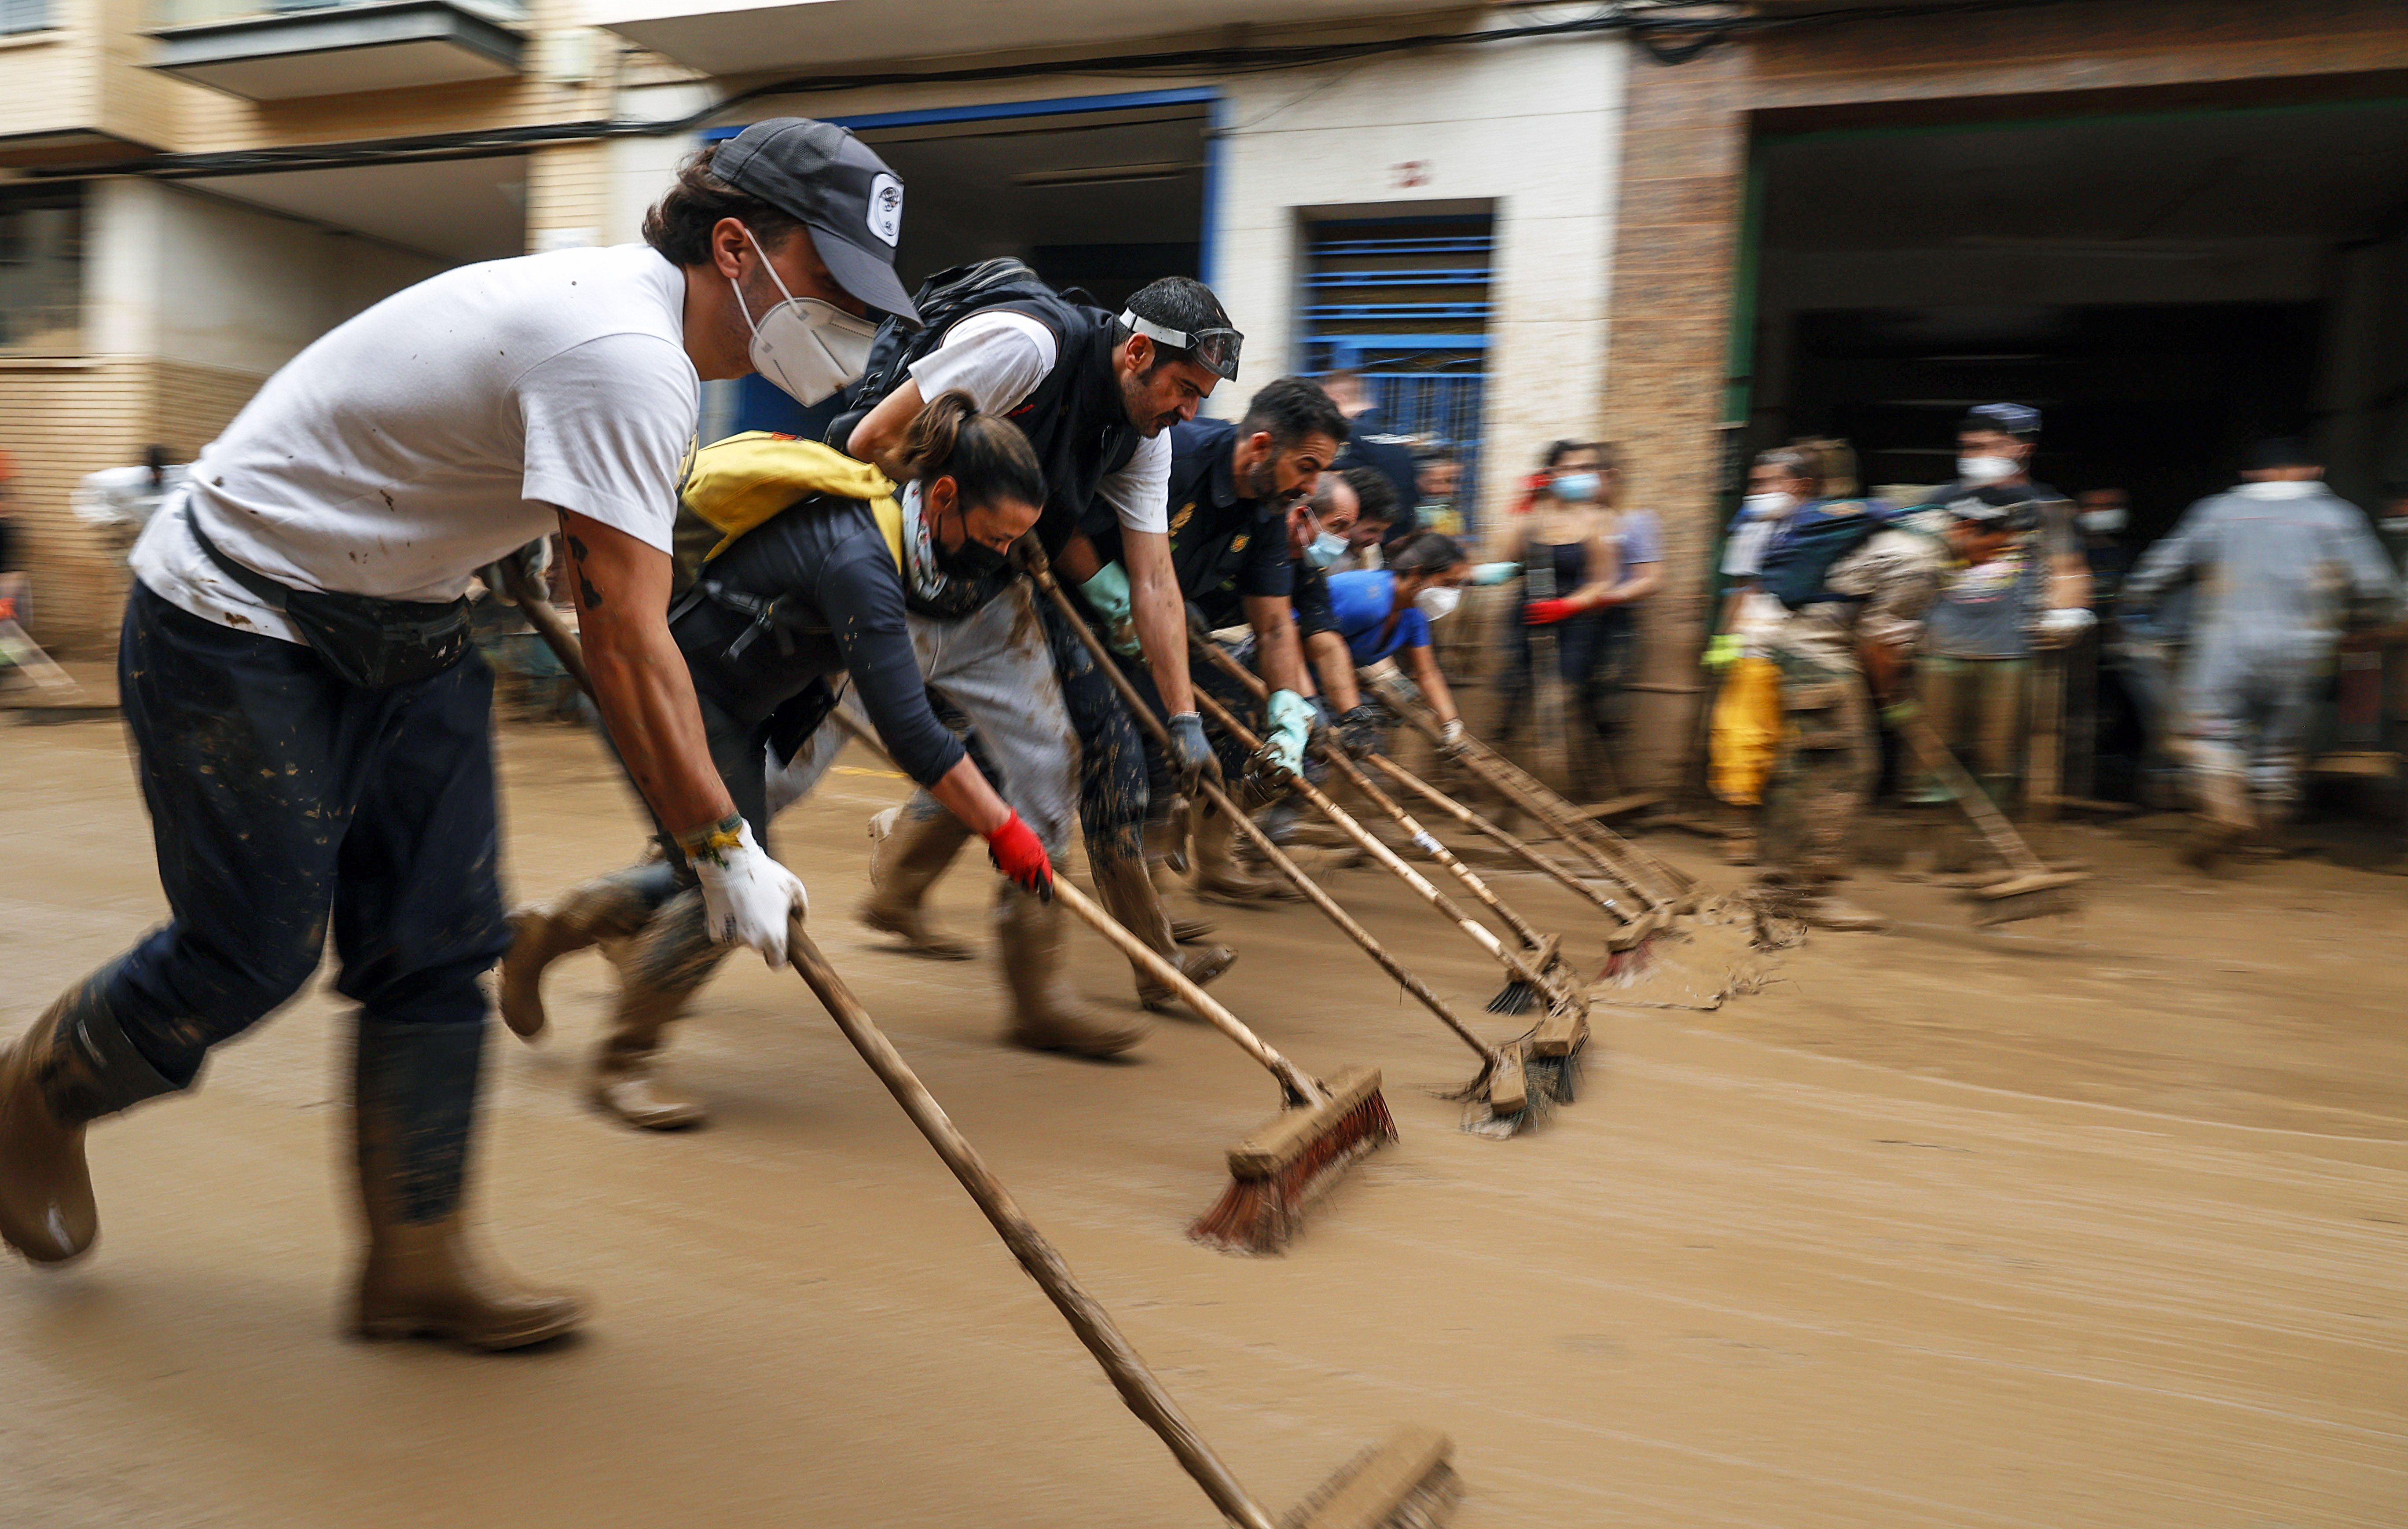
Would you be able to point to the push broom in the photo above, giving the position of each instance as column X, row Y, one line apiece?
column 1557, row 1041
column 2034, row 891
column 1408, row 1481
column 1275, row 1173
column 1280, row 1170
column 1501, row 1087
column 1514, row 998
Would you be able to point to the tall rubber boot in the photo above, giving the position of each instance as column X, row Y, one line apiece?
column 1166, row 861
column 610, row 906
column 1046, row 1015
column 73, row 1067
column 2225, row 817
column 906, row 864
column 1217, row 873
column 661, row 969
column 1127, row 894
column 414, row 1105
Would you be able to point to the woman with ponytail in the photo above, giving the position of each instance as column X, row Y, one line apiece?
column 827, row 590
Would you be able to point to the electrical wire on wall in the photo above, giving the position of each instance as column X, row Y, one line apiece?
column 1672, row 32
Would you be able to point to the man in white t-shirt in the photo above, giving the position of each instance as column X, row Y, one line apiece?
column 311, row 728
column 1096, row 393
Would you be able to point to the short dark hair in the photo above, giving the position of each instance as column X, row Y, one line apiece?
column 1291, row 408
column 1375, row 494
column 1424, row 552
column 679, row 224
column 2281, row 451
column 1174, row 302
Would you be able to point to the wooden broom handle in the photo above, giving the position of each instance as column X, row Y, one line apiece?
column 1970, row 798
column 1094, row 1325
column 1300, row 1088
column 1423, row 839
column 1471, row 820
column 1040, row 571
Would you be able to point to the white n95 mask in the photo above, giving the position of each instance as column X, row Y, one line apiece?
column 807, row 348
column 1982, row 471
column 1438, row 601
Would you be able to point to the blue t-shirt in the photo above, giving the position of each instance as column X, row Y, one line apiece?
column 1361, row 599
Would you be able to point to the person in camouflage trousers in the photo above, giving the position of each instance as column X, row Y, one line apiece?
column 1840, row 652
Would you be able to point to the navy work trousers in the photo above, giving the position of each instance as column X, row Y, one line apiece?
column 281, row 798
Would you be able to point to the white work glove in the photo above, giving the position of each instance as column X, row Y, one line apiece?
column 1450, row 733
column 1291, row 720
column 747, row 897
column 2060, row 625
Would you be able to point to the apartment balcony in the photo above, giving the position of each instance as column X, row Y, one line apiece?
column 277, row 52
column 747, row 36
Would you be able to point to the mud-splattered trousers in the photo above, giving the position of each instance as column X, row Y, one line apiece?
column 993, row 672
column 1828, row 762
column 284, row 800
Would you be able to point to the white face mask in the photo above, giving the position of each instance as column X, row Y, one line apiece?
column 1438, row 601
column 806, row 347
column 1982, row 470
column 2102, row 522
column 1768, row 507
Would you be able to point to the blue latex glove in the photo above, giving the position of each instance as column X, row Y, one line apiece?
column 1493, row 573
column 1108, row 595
column 1291, row 720
column 1191, row 756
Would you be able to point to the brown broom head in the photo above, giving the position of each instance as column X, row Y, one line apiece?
column 2027, row 898
column 1405, row 1482
column 1280, row 1170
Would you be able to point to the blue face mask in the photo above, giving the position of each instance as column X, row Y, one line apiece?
column 1577, row 486
column 1325, row 548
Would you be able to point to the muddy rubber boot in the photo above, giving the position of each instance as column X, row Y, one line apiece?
column 1192, row 931
column 1046, row 1015
column 73, row 1067
column 1165, row 850
column 1127, row 894
column 2225, row 820
column 663, row 966
column 414, row 1105
column 907, row 863
column 1219, row 875
column 611, row 906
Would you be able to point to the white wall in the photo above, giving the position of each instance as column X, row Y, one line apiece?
column 1534, row 128
column 182, row 276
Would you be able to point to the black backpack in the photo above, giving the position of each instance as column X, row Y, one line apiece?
column 943, row 299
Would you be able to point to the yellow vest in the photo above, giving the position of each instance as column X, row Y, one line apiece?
column 736, row 484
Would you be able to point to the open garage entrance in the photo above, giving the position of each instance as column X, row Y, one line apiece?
column 1100, row 193
column 2165, row 288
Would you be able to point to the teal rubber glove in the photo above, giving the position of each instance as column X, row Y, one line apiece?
column 1291, row 719
column 1723, row 652
column 1493, row 573
column 1108, row 595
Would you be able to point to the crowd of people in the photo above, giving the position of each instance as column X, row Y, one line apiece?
column 312, row 724
column 1953, row 614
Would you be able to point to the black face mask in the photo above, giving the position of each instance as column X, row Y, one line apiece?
column 972, row 561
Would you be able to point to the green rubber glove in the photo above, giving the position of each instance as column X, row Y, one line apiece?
column 1108, row 595
column 1723, row 651
column 1291, row 720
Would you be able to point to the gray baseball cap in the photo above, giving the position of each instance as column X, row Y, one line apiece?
column 845, row 194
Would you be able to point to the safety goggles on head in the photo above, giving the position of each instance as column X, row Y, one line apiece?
column 1215, row 349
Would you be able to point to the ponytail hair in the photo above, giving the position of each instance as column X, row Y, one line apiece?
column 1425, row 553
column 987, row 458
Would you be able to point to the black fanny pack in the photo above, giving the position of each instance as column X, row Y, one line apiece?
column 371, row 643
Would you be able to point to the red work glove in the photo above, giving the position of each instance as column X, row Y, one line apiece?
column 1547, row 612
column 1017, row 854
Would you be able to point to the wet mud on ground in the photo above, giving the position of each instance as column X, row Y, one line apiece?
column 2094, row 1226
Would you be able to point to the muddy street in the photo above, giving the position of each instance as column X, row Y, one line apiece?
column 2101, row 1224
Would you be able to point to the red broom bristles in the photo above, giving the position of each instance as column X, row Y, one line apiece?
column 1263, row 1215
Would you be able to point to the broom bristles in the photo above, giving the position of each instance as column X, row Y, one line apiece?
column 1263, row 1215
column 1406, row 1481
column 1513, row 998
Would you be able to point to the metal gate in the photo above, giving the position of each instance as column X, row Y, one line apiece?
column 1404, row 301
